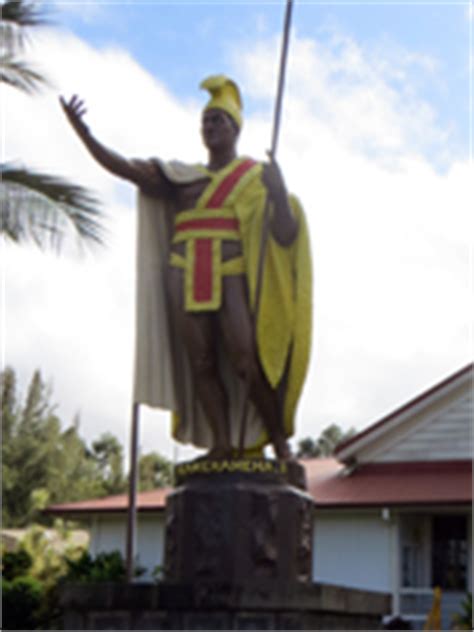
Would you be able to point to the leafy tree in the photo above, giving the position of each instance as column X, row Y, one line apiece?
column 108, row 454
column 73, row 472
column 326, row 443
column 30, row 431
column 154, row 470
column 41, row 463
column 8, row 390
column 9, row 411
column 35, row 205
column 307, row 448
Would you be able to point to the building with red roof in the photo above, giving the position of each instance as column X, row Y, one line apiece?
column 393, row 507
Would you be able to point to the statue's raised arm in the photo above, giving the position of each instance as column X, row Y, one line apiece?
column 147, row 176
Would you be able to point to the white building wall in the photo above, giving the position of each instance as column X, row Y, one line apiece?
column 108, row 533
column 151, row 542
column 349, row 549
column 354, row 550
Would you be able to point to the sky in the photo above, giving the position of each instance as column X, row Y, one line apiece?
column 376, row 141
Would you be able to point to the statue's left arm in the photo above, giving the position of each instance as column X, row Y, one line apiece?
column 283, row 223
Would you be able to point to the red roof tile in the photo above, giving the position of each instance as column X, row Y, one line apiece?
column 146, row 501
column 375, row 484
column 380, row 484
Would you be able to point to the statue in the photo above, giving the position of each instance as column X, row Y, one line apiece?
column 223, row 316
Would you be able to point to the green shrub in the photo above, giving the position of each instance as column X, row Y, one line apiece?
column 35, row 563
column 158, row 573
column 21, row 600
column 16, row 563
column 106, row 567
column 463, row 621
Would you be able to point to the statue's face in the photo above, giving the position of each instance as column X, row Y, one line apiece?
column 219, row 132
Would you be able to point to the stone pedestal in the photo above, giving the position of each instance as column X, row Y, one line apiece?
column 231, row 521
column 238, row 557
column 254, row 606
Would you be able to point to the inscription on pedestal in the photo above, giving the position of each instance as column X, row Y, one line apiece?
column 227, row 526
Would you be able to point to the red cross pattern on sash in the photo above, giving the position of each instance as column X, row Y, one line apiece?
column 203, row 259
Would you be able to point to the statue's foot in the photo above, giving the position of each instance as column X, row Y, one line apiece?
column 219, row 453
column 282, row 450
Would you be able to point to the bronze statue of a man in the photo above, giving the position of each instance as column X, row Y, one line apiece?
column 207, row 347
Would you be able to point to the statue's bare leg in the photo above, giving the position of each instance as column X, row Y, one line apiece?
column 237, row 331
column 197, row 331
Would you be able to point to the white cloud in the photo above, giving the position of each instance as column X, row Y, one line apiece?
column 390, row 237
column 391, row 234
column 352, row 92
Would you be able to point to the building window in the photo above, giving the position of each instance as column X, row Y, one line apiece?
column 449, row 552
column 411, row 566
column 414, row 537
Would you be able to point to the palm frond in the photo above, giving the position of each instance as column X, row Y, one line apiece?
column 40, row 207
column 22, row 13
column 16, row 16
column 20, row 75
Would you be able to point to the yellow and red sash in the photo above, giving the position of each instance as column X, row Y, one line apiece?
column 203, row 229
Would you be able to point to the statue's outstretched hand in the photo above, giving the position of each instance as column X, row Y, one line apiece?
column 142, row 173
column 75, row 110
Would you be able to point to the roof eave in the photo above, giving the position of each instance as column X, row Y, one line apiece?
column 395, row 504
column 347, row 451
column 99, row 511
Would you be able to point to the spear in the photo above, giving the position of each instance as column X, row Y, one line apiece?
column 266, row 213
column 281, row 79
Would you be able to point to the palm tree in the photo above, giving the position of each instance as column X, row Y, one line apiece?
column 16, row 16
column 35, row 205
